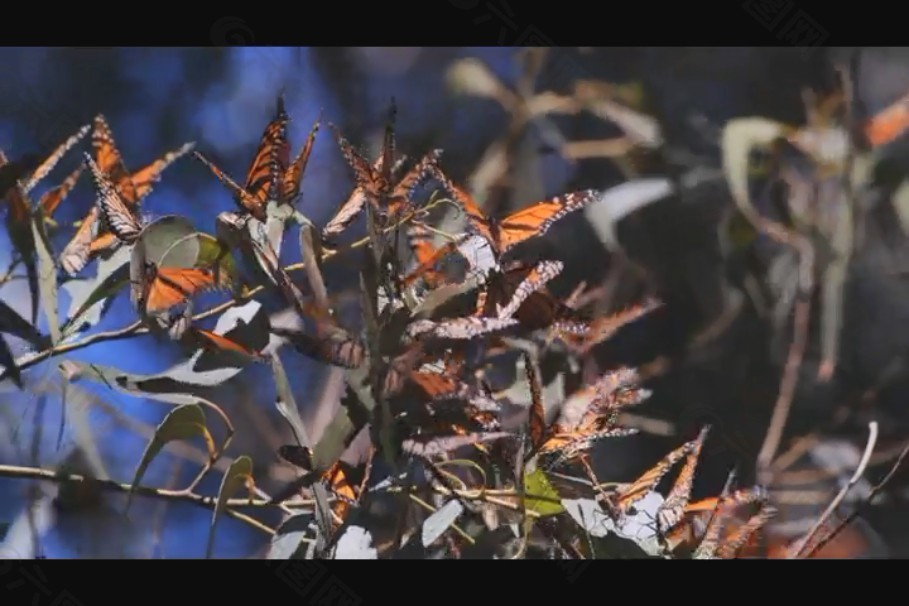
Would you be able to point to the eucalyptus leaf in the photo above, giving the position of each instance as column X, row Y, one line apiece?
column 286, row 404
column 356, row 544
column 539, row 494
column 47, row 277
column 181, row 423
column 441, row 520
column 286, row 542
column 238, row 475
column 88, row 298
column 14, row 324
column 9, row 363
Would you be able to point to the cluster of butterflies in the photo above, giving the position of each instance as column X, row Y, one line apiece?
column 431, row 329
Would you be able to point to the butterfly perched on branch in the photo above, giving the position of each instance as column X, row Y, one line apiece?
column 94, row 234
column 534, row 220
column 382, row 184
column 271, row 176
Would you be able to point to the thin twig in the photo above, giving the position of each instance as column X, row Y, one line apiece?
column 786, row 394
column 797, row 549
column 875, row 490
column 34, row 473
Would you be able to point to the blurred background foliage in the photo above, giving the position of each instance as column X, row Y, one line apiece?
column 157, row 98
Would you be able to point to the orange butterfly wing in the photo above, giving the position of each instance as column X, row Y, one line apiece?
column 888, row 124
column 109, row 160
column 263, row 179
column 171, row 286
column 537, row 219
column 114, row 209
column 51, row 161
column 146, row 177
column 52, row 199
column 537, row 415
column 294, row 173
column 211, row 340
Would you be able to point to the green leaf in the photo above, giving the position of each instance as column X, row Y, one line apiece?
column 159, row 236
column 47, row 277
column 540, row 496
column 239, row 474
column 211, row 252
column 182, row 423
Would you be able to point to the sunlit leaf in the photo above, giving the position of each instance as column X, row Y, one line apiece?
column 740, row 137
column 440, row 521
column 158, row 236
column 286, row 542
column 639, row 527
column 539, row 494
column 622, row 200
column 238, row 475
column 356, row 544
column 182, row 423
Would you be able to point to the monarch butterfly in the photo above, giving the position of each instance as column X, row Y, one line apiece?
column 629, row 494
column 159, row 286
column 429, row 259
column 35, row 170
column 673, row 507
column 519, row 291
column 22, row 178
column 164, row 288
column 333, row 345
column 118, row 216
column 271, row 175
column 573, row 434
column 595, row 408
column 293, row 176
column 17, row 197
column 209, row 340
column 581, row 339
column 889, row 123
column 338, row 478
column 89, row 240
column 438, row 266
column 537, row 414
column 459, row 328
column 436, row 387
column 522, row 225
column 378, row 183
